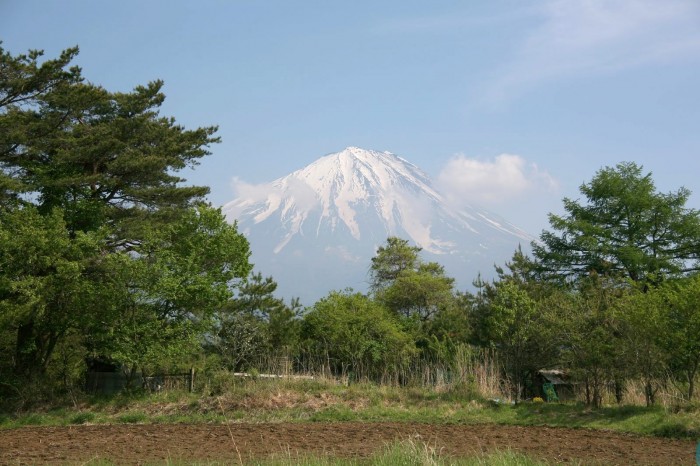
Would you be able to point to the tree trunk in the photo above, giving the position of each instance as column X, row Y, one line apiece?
column 649, row 393
column 691, row 385
column 597, row 392
column 619, row 392
column 597, row 396
column 47, row 350
column 26, row 351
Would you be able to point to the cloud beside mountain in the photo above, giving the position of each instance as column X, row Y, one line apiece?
column 494, row 182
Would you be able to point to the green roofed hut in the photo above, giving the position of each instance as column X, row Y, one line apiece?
column 555, row 385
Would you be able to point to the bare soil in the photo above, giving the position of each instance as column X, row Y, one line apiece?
column 138, row 444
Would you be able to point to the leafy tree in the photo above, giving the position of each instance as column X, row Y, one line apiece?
column 525, row 272
column 512, row 326
column 591, row 336
column 283, row 327
column 23, row 81
column 422, row 293
column 45, row 284
column 392, row 259
column 453, row 326
column 256, row 297
column 356, row 335
column 520, row 271
column 476, row 305
column 257, row 323
column 405, row 284
column 683, row 326
column 645, row 333
column 96, row 173
column 103, row 157
column 166, row 296
column 625, row 229
column 240, row 341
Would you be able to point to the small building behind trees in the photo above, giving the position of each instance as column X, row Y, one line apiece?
column 559, row 380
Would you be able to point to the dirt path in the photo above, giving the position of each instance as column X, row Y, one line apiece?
column 134, row 444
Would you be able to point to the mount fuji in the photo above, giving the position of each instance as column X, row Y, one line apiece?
column 316, row 229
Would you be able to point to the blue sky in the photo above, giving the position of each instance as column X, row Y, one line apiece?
column 507, row 104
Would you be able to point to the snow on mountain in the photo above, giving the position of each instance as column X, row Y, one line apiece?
column 317, row 228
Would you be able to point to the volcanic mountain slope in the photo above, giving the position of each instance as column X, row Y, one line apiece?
column 316, row 229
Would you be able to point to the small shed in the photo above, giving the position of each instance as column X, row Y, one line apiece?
column 557, row 379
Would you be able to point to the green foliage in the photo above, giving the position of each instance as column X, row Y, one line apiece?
column 23, row 82
column 102, row 157
column 82, row 417
column 644, row 334
column 355, row 334
column 397, row 256
column 45, row 284
column 590, row 334
column 626, row 230
column 423, row 292
column 256, row 297
column 284, row 325
column 280, row 321
column 255, row 324
column 103, row 251
column 513, row 315
column 165, row 297
column 512, row 325
column 240, row 340
column 406, row 285
column 682, row 329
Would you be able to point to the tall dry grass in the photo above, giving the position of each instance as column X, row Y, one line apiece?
column 669, row 393
column 475, row 372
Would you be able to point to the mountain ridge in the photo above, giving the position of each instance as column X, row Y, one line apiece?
column 342, row 206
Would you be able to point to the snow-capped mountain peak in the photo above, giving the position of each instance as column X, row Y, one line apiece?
column 347, row 203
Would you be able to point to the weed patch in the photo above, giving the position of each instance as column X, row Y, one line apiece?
column 132, row 418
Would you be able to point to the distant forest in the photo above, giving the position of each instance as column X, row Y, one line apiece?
column 108, row 261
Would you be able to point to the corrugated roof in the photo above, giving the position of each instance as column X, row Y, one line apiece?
column 555, row 376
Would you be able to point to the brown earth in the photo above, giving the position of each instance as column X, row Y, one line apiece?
column 136, row 444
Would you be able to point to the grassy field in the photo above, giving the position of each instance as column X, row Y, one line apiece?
column 408, row 453
column 312, row 401
column 405, row 453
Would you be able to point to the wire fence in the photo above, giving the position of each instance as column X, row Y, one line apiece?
column 109, row 383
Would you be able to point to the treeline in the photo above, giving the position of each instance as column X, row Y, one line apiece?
column 109, row 262
column 603, row 330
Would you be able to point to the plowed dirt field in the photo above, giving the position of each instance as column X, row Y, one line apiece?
column 134, row 444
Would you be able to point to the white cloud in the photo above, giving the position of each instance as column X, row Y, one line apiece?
column 492, row 182
column 593, row 37
column 256, row 192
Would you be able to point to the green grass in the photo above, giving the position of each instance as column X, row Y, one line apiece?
column 133, row 418
column 317, row 401
column 655, row 421
column 405, row 453
column 409, row 453
column 83, row 417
